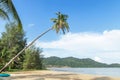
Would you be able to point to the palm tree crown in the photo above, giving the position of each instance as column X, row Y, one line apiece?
column 60, row 23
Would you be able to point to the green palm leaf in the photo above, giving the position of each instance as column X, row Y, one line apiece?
column 6, row 8
column 3, row 14
column 15, row 15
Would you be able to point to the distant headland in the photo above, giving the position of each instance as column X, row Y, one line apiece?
column 75, row 62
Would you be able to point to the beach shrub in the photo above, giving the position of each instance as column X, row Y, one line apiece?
column 33, row 58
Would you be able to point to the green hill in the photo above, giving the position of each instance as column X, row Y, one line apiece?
column 74, row 62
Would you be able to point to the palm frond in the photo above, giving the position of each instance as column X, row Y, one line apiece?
column 3, row 14
column 8, row 7
column 15, row 15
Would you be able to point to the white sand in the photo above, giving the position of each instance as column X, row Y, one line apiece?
column 55, row 75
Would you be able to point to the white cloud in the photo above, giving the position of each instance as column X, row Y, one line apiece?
column 31, row 25
column 105, row 45
column 98, row 59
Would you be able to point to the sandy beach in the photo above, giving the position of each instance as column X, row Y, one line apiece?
column 55, row 75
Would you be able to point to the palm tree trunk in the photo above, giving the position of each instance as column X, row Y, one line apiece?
column 7, row 64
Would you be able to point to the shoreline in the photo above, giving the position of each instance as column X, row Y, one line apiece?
column 56, row 75
column 91, row 71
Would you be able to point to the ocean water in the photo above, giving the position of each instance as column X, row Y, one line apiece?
column 113, row 72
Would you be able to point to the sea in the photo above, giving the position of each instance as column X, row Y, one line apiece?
column 112, row 72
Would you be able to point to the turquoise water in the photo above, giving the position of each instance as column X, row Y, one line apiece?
column 115, row 72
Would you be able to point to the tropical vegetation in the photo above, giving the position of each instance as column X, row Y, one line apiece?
column 33, row 58
column 8, row 11
column 13, row 41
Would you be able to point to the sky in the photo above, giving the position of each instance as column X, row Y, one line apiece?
column 94, row 27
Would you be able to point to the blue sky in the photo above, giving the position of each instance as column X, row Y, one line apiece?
column 84, row 15
column 94, row 27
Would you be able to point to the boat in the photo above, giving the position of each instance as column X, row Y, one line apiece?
column 4, row 75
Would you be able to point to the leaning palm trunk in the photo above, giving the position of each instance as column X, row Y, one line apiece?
column 25, row 49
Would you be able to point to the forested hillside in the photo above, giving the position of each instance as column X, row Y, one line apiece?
column 74, row 62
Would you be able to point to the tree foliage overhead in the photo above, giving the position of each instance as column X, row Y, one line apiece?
column 8, row 11
column 3, row 14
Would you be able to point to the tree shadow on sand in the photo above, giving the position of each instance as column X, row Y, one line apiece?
column 102, row 78
column 51, row 76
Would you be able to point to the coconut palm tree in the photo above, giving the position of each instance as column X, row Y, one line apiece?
column 6, row 8
column 60, row 23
